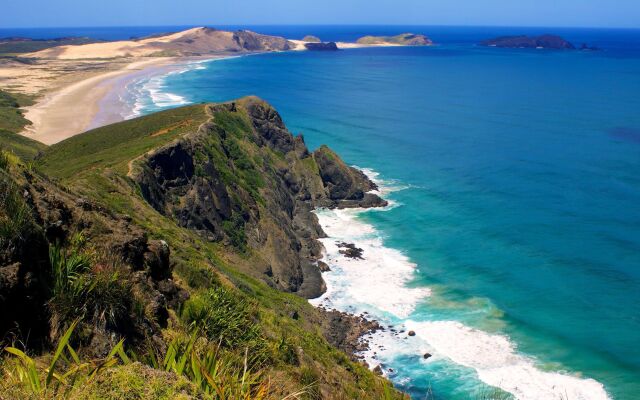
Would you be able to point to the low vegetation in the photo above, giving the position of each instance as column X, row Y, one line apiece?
column 12, row 121
column 14, row 46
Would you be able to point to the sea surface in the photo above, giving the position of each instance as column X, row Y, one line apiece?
column 512, row 242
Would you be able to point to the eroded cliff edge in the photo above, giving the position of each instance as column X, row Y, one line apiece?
column 243, row 179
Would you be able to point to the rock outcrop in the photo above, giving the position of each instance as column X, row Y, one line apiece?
column 530, row 42
column 243, row 179
column 53, row 217
column 327, row 46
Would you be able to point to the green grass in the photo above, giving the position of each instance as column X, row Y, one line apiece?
column 12, row 121
column 113, row 146
column 16, row 221
column 28, row 46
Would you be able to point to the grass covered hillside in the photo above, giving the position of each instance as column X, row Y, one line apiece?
column 168, row 257
column 12, row 121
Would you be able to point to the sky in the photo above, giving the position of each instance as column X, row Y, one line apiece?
column 88, row 13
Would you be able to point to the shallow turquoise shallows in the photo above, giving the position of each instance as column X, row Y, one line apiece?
column 520, row 204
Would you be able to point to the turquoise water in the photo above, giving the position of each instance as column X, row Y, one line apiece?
column 520, row 205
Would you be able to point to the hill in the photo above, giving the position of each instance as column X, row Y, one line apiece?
column 404, row 39
column 192, row 42
column 189, row 235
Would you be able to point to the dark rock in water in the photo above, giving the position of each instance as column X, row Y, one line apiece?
column 411, row 333
column 323, row 266
column 347, row 186
column 350, row 250
column 377, row 370
column 426, row 355
column 586, row 47
column 326, row 46
column 311, row 39
column 530, row 42
column 345, row 331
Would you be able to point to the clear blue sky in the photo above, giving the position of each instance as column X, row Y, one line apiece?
column 61, row 13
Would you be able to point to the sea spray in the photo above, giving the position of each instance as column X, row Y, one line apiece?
column 379, row 286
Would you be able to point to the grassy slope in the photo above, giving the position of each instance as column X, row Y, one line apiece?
column 95, row 164
column 28, row 46
column 12, row 121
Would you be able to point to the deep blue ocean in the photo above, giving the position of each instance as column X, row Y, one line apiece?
column 514, row 178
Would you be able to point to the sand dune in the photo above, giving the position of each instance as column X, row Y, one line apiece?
column 191, row 42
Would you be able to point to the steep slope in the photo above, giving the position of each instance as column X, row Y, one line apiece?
column 245, row 179
column 205, row 211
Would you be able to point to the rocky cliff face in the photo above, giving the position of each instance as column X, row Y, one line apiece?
column 42, row 216
column 243, row 179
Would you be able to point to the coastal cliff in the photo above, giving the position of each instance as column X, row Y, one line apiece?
column 194, row 222
column 244, row 179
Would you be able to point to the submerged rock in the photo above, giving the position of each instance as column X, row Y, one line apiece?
column 350, row 250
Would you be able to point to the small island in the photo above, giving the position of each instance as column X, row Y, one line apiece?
column 404, row 39
column 530, row 42
column 321, row 46
column 311, row 39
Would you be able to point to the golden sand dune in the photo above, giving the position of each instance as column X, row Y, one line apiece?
column 191, row 42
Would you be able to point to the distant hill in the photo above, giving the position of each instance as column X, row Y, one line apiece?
column 404, row 39
column 523, row 41
column 191, row 42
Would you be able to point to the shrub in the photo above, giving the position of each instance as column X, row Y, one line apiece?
column 228, row 318
column 197, row 276
column 234, row 229
column 220, row 375
column 64, row 371
column 15, row 215
column 100, row 297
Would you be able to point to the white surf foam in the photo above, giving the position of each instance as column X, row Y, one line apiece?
column 378, row 281
column 377, row 285
column 498, row 364
column 151, row 93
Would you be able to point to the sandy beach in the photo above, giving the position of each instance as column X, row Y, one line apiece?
column 72, row 109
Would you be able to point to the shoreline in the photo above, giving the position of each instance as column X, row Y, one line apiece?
column 72, row 109
column 372, row 286
column 88, row 102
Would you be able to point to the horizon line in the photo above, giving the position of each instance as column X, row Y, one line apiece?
column 327, row 25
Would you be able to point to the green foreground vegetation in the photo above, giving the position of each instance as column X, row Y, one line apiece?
column 12, row 121
column 233, row 337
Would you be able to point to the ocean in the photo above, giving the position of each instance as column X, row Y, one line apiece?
column 511, row 246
